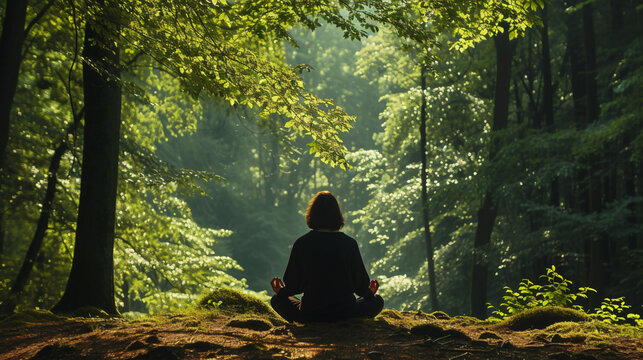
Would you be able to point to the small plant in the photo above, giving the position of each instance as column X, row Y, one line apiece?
column 611, row 309
column 556, row 292
column 212, row 304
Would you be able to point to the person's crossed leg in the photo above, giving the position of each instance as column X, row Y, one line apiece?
column 290, row 307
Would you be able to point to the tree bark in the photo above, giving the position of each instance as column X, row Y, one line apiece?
column 91, row 280
column 13, row 35
column 425, row 203
column 487, row 211
column 548, row 99
column 597, row 256
column 548, row 91
column 11, row 41
column 41, row 228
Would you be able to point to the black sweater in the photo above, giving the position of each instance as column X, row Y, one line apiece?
column 328, row 268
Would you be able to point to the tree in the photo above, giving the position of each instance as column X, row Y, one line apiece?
column 11, row 46
column 597, row 273
column 13, row 34
column 423, row 197
column 91, row 280
column 487, row 211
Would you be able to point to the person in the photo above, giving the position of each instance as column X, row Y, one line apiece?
column 326, row 266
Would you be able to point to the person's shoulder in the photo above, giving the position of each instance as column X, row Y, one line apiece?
column 347, row 238
column 303, row 239
column 344, row 235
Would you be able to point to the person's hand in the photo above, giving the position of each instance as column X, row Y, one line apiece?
column 277, row 284
column 374, row 286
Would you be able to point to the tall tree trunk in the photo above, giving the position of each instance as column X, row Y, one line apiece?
column 91, row 281
column 548, row 91
column 548, row 98
column 425, row 203
column 630, row 191
column 487, row 211
column 518, row 100
column 13, row 35
column 579, row 98
column 2, row 230
column 41, row 228
column 597, row 256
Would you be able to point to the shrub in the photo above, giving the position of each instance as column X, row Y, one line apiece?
column 556, row 293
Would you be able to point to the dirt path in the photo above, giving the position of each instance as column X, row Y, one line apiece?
column 193, row 336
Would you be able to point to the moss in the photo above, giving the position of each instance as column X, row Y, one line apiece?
column 592, row 330
column 30, row 316
column 134, row 315
column 441, row 315
column 466, row 320
column 234, row 301
column 541, row 317
column 390, row 314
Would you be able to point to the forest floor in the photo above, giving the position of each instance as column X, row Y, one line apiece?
column 392, row 335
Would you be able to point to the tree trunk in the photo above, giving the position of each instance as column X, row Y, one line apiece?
column 597, row 256
column 548, row 91
column 578, row 74
column 518, row 101
column 630, row 191
column 548, row 99
column 91, row 281
column 2, row 231
column 41, row 228
column 13, row 35
column 487, row 212
column 425, row 204
column 11, row 41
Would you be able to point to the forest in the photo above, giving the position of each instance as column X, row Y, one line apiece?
column 487, row 155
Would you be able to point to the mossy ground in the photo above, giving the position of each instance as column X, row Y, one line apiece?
column 541, row 317
column 218, row 332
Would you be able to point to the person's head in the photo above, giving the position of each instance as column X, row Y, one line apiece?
column 324, row 213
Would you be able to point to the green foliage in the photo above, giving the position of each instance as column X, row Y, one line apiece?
column 390, row 225
column 555, row 299
column 555, row 292
column 611, row 311
column 217, row 105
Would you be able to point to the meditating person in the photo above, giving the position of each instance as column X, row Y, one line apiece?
column 326, row 266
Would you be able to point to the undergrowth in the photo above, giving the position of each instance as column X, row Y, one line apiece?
column 557, row 292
